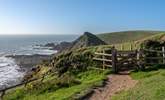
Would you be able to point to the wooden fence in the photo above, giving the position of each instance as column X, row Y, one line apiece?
column 116, row 58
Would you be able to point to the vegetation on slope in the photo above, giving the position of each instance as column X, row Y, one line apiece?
column 52, row 90
column 151, row 86
column 139, row 43
column 156, row 37
column 71, row 74
column 86, row 40
column 125, row 36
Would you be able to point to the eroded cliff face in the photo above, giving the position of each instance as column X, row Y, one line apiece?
column 29, row 61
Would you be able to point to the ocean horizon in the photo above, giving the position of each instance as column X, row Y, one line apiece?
column 14, row 43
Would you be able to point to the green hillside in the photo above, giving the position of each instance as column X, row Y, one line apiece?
column 151, row 86
column 72, row 75
column 126, row 36
column 137, row 44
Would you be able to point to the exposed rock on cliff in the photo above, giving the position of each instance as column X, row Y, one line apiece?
column 87, row 39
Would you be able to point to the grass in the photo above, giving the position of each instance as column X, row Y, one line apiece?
column 125, row 36
column 87, row 80
column 152, row 37
column 151, row 86
column 74, row 81
column 138, row 43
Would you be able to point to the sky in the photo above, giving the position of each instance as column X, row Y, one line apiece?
column 77, row 16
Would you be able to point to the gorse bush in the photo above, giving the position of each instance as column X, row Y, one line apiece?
column 73, row 61
column 67, row 80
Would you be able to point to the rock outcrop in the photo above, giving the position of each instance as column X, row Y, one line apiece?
column 87, row 39
column 29, row 61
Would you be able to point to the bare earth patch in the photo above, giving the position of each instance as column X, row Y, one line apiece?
column 162, row 38
column 115, row 84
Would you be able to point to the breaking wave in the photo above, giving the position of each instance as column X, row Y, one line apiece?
column 10, row 72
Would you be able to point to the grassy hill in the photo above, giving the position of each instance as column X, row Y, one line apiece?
column 135, row 44
column 126, row 36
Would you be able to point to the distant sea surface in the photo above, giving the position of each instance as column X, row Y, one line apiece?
column 14, row 43
column 23, row 45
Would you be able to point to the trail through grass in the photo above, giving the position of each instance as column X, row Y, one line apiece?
column 151, row 86
column 88, row 79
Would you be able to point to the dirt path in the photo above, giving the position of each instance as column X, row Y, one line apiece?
column 114, row 84
column 162, row 38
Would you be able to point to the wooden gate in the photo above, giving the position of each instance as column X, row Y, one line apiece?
column 116, row 59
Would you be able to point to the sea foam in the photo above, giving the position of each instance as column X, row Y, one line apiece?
column 9, row 72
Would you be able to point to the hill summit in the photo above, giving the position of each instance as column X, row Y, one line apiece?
column 87, row 39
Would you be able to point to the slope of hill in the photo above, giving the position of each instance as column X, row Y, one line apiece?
column 151, row 86
column 138, row 43
column 125, row 36
column 72, row 75
column 87, row 39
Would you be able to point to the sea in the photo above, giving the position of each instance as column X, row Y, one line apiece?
column 10, row 73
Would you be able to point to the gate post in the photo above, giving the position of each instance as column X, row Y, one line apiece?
column 103, row 60
column 139, row 59
column 114, row 60
column 163, row 51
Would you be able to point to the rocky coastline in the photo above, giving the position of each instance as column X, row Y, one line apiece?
column 27, row 62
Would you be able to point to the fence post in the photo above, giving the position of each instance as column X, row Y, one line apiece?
column 103, row 60
column 163, row 51
column 139, row 59
column 25, row 84
column 122, row 47
column 131, row 47
column 114, row 60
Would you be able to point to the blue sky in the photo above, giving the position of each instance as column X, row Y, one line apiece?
column 77, row 16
